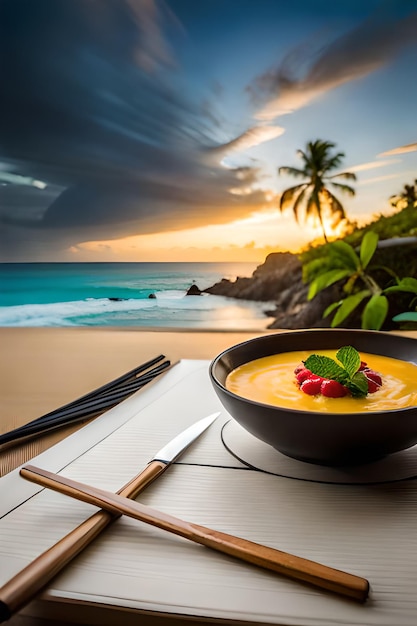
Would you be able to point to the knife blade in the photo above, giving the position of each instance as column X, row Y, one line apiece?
column 172, row 450
column 169, row 453
column 298, row 568
column 20, row 589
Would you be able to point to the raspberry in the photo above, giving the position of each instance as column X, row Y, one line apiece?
column 312, row 385
column 372, row 375
column 373, row 386
column 363, row 366
column 299, row 368
column 333, row 389
column 303, row 374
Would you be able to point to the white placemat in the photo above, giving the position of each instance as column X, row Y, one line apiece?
column 259, row 455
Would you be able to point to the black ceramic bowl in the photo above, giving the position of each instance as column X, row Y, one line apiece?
column 321, row 438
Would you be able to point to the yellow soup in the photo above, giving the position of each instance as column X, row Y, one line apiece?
column 271, row 380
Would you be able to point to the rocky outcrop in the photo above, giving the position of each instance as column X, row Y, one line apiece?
column 194, row 291
column 293, row 310
column 279, row 280
column 279, row 271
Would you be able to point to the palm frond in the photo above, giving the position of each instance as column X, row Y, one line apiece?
column 320, row 146
column 289, row 196
column 345, row 175
column 313, row 206
column 335, row 206
column 344, row 188
column 302, row 154
column 292, row 171
column 298, row 202
column 334, row 161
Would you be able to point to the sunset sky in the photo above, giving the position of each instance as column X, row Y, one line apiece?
column 139, row 130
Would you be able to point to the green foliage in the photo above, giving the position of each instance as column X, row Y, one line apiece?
column 375, row 312
column 407, row 316
column 407, row 198
column 346, row 255
column 338, row 255
column 368, row 247
column 408, row 319
column 407, row 284
column 340, row 261
column 376, row 279
column 347, row 306
column 325, row 280
column 401, row 224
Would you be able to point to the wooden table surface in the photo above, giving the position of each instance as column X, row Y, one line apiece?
column 42, row 369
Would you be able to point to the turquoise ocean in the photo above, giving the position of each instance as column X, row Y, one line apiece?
column 117, row 294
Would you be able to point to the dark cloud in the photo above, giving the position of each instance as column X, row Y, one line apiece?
column 94, row 104
column 90, row 108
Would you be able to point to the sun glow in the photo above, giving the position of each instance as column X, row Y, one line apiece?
column 251, row 238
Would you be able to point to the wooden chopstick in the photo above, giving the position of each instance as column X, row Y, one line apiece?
column 343, row 583
column 27, row 583
column 89, row 405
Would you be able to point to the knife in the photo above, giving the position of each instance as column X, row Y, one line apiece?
column 289, row 565
column 20, row 589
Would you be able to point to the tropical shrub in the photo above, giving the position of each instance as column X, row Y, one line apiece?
column 407, row 197
column 366, row 286
column 408, row 319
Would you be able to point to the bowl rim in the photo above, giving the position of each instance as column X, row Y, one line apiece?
column 255, row 403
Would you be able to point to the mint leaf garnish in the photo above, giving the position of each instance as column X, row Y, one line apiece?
column 349, row 358
column 325, row 367
column 358, row 385
column 346, row 374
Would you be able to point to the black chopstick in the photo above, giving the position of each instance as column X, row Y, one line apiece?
column 89, row 405
column 117, row 382
column 94, row 405
column 147, row 376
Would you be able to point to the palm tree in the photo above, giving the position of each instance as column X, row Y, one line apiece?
column 313, row 194
column 407, row 198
